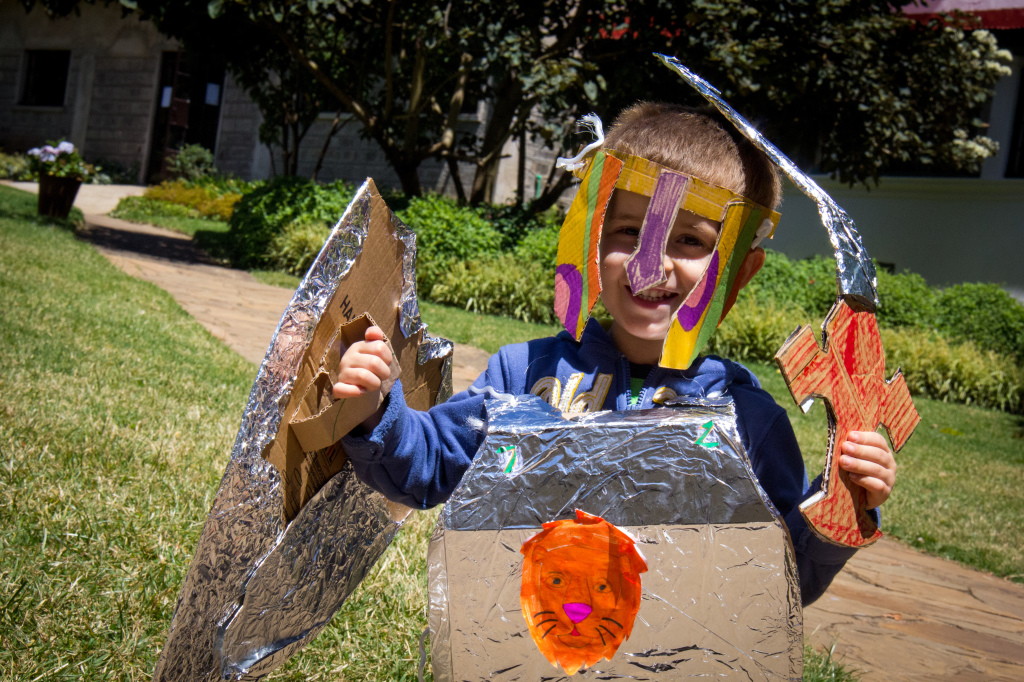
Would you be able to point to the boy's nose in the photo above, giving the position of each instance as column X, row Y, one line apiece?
column 669, row 264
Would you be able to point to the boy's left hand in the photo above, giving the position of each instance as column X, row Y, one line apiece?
column 868, row 460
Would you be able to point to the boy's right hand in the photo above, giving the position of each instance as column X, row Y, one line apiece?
column 364, row 366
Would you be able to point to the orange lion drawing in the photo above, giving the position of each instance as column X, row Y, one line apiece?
column 581, row 590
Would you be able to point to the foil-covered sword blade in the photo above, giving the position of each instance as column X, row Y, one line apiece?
column 855, row 273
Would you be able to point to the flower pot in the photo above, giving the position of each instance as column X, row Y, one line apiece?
column 56, row 195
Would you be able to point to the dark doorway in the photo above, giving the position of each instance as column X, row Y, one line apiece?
column 188, row 108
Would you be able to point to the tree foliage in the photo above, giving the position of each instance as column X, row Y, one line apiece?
column 852, row 87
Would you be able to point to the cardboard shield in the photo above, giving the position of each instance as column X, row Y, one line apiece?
column 678, row 517
column 292, row 531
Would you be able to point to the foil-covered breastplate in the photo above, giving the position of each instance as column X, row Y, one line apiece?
column 720, row 591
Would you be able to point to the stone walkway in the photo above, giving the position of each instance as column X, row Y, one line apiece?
column 893, row 613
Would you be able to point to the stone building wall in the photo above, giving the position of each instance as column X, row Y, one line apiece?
column 239, row 151
column 110, row 95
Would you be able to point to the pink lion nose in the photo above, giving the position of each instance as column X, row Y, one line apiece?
column 576, row 611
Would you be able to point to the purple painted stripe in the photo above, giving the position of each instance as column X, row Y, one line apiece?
column 646, row 266
column 568, row 296
column 689, row 313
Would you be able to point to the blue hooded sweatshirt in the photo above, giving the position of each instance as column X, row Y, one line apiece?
column 418, row 458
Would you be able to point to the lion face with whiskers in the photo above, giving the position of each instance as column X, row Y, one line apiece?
column 580, row 590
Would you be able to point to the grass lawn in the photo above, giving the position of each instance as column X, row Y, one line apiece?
column 117, row 414
column 165, row 214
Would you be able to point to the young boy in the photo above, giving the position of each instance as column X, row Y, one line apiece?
column 419, row 458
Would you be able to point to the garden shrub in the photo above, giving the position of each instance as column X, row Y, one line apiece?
column 264, row 212
column 540, row 246
column 297, row 245
column 933, row 366
column 954, row 372
column 111, row 172
column 905, row 300
column 209, row 203
column 514, row 223
column 985, row 314
column 808, row 284
column 753, row 332
column 192, row 162
column 497, row 285
column 15, row 167
column 444, row 230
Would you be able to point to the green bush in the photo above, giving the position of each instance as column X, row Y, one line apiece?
column 808, row 284
column 514, row 223
column 498, row 285
column 444, row 230
column 264, row 212
column 192, row 162
column 110, row 172
column 905, row 300
column 15, row 167
column 540, row 246
column 985, row 314
column 954, row 372
column 932, row 365
column 294, row 248
column 753, row 331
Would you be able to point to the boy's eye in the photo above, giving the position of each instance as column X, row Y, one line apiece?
column 692, row 242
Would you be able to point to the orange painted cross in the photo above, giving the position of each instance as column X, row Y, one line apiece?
column 848, row 373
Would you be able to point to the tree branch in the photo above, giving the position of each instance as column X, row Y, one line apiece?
column 355, row 107
column 388, row 46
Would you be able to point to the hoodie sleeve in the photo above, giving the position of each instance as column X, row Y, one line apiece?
column 418, row 458
column 779, row 468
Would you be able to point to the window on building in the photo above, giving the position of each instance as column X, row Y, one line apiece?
column 46, row 77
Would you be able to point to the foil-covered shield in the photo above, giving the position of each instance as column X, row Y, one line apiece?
column 259, row 588
column 720, row 594
column 855, row 272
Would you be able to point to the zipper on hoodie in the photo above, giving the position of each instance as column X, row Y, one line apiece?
column 644, row 387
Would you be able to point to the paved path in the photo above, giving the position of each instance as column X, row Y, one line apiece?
column 893, row 613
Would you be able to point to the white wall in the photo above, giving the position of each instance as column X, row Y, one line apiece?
column 949, row 230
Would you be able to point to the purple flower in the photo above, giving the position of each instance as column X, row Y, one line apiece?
column 65, row 147
column 47, row 157
column 35, row 151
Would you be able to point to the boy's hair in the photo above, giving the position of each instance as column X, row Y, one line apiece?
column 698, row 142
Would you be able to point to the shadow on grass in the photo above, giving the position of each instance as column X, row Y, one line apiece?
column 216, row 245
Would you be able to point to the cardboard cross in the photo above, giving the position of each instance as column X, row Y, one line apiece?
column 848, row 373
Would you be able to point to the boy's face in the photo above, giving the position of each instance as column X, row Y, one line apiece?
column 641, row 320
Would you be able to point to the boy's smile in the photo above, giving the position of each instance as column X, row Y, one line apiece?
column 641, row 320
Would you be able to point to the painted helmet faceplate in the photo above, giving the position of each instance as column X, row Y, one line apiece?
column 577, row 274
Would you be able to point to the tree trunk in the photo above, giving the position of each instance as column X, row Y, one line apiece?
column 498, row 130
column 408, row 175
column 521, row 168
column 336, row 126
column 453, row 170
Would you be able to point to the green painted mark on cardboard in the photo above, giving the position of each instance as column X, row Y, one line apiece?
column 707, row 431
column 513, row 455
